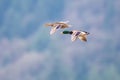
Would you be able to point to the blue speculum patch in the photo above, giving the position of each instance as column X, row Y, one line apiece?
column 58, row 26
column 77, row 33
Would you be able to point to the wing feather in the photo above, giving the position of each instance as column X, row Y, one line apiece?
column 83, row 38
column 53, row 30
column 73, row 38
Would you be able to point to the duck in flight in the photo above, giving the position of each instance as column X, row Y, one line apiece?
column 77, row 34
column 57, row 25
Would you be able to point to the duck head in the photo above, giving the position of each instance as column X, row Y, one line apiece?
column 67, row 32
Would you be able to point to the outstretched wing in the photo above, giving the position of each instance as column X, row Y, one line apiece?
column 83, row 38
column 53, row 29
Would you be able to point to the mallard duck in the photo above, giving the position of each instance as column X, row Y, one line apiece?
column 77, row 34
column 58, row 25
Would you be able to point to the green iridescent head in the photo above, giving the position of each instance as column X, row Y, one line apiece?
column 67, row 32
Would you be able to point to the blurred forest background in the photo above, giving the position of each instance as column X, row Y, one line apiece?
column 28, row 52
